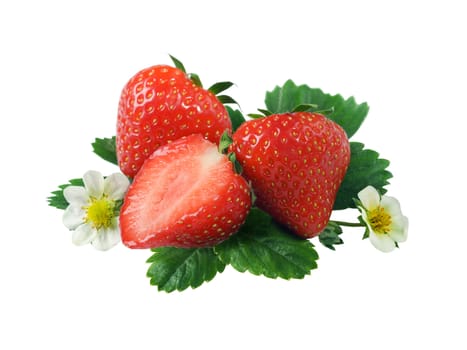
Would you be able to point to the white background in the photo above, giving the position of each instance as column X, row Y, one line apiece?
column 62, row 67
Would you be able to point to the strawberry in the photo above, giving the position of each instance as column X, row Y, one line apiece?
column 185, row 195
column 161, row 104
column 296, row 163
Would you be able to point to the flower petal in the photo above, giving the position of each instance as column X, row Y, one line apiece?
column 365, row 217
column 382, row 242
column 84, row 234
column 391, row 206
column 108, row 237
column 400, row 228
column 76, row 195
column 94, row 183
column 73, row 216
column 115, row 186
column 369, row 197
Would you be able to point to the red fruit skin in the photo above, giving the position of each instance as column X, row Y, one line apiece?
column 160, row 104
column 210, row 214
column 296, row 163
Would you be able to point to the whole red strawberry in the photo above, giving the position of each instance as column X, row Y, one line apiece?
column 296, row 163
column 160, row 104
column 185, row 195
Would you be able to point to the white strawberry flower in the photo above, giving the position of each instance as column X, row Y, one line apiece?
column 93, row 211
column 386, row 226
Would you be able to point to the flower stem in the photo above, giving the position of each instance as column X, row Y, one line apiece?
column 349, row 224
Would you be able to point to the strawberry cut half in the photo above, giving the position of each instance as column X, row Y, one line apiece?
column 186, row 195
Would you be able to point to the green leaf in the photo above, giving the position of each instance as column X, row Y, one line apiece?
column 347, row 113
column 329, row 237
column 236, row 117
column 178, row 64
column 264, row 248
column 177, row 268
column 217, row 88
column 106, row 149
column 57, row 199
column 365, row 168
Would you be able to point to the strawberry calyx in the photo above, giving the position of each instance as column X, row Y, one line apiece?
column 215, row 89
column 313, row 108
column 304, row 107
column 224, row 147
column 262, row 113
column 225, row 142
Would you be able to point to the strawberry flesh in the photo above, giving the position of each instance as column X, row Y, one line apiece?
column 185, row 195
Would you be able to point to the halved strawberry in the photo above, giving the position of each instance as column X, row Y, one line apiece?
column 185, row 195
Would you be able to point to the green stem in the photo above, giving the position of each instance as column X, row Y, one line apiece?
column 349, row 224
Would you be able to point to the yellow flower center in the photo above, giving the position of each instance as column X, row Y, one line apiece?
column 100, row 212
column 380, row 220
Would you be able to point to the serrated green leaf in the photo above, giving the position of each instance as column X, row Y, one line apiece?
column 329, row 237
column 264, row 248
column 236, row 117
column 106, row 149
column 57, row 199
column 177, row 268
column 346, row 112
column 365, row 168
column 217, row 88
